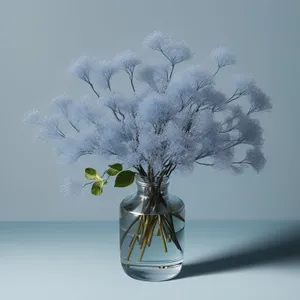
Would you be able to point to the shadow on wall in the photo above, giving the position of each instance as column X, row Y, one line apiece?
column 282, row 248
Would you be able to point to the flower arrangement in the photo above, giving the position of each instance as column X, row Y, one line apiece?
column 170, row 121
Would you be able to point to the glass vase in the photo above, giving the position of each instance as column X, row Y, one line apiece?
column 152, row 223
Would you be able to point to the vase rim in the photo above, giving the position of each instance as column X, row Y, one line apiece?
column 142, row 180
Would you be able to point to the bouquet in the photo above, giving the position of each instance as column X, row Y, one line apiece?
column 171, row 120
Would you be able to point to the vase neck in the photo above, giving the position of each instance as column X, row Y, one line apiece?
column 146, row 188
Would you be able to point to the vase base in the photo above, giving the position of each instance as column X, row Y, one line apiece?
column 152, row 273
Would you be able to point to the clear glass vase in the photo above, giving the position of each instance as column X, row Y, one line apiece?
column 152, row 223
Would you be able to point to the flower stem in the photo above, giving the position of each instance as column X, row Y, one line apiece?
column 162, row 234
column 136, row 231
column 146, row 234
column 151, row 231
column 167, row 234
column 143, row 249
column 171, row 229
column 178, row 216
column 131, row 247
column 133, row 241
column 157, row 232
column 142, row 228
column 145, row 230
column 128, row 229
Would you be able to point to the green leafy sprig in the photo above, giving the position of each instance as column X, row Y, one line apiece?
column 123, row 178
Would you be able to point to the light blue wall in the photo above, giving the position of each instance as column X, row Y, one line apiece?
column 40, row 37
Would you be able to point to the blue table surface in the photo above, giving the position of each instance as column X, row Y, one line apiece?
column 80, row 260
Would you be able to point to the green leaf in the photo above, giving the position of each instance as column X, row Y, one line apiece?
column 118, row 167
column 112, row 172
column 125, row 178
column 92, row 174
column 114, row 169
column 97, row 188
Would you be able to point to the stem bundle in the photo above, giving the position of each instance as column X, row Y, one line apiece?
column 145, row 230
column 150, row 218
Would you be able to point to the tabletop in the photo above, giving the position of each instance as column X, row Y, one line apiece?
column 80, row 260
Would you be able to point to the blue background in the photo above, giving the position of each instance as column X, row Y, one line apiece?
column 39, row 38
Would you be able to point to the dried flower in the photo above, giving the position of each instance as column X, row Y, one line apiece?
column 156, row 40
column 244, row 84
column 171, row 121
column 127, row 61
column 104, row 71
column 81, row 67
column 255, row 158
column 223, row 56
column 32, row 117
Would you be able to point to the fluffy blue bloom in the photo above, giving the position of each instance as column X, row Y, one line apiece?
column 170, row 117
